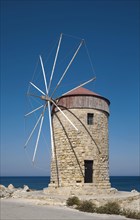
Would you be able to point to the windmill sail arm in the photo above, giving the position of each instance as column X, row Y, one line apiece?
column 64, row 115
column 37, row 88
column 55, row 62
column 51, row 130
column 63, row 75
column 33, row 130
column 30, row 94
column 36, row 146
column 34, row 110
column 44, row 75
column 80, row 86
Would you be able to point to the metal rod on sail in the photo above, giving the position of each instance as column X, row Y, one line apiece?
column 34, row 110
column 55, row 61
column 64, row 115
column 67, row 68
column 37, row 88
column 51, row 129
column 33, row 130
column 49, row 108
column 30, row 94
column 44, row 76
column 80, row 85
column 36, row 146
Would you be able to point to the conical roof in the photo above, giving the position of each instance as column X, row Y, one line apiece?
column 84, row 92
column 82, row 98
column 81, row 91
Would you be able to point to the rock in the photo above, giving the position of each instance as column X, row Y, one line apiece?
column 4, row 192
column 11, row 187
column 134, row 191
column 2, row 187
column 113, row 190
column 26, row 188
column 18, row 193
column 21, row 192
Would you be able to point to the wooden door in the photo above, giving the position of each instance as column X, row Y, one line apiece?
column 88, row 171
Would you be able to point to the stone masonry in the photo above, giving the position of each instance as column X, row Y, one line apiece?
column 74, row 148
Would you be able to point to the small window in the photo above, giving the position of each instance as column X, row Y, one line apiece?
column 90, row 118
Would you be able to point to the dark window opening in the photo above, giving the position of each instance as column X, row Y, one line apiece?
column 88, row 171
column 90, row 118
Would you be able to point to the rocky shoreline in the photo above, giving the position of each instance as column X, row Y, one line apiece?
column 127, row 200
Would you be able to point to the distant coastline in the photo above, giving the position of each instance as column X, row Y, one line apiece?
column 122, row 183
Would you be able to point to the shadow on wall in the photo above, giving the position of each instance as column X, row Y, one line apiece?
column 56, row 159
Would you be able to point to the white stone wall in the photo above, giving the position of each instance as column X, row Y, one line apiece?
column 72, row 147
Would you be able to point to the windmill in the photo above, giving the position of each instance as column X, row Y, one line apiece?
column 79, row 149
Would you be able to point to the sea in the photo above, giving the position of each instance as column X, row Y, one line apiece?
column 122, row 183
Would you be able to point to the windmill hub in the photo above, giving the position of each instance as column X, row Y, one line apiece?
column 45, row 98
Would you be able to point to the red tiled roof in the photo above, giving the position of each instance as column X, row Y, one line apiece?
column 84, row 92
column 81, row 91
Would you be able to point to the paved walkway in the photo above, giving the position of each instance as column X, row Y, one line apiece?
column 21, row 210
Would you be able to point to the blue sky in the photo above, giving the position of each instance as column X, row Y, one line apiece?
column 111, row 31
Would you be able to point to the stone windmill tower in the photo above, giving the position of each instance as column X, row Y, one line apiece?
column 81, row 157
